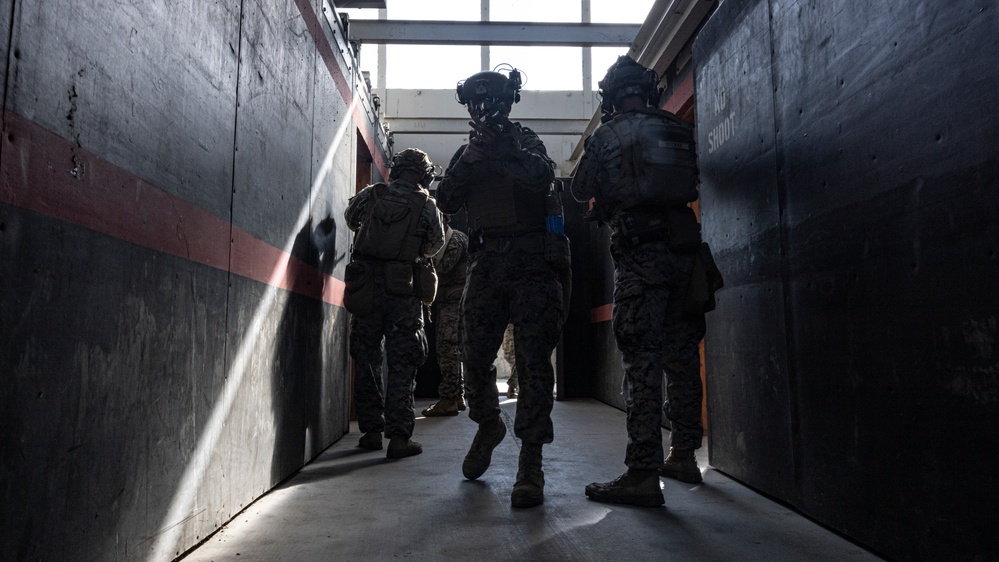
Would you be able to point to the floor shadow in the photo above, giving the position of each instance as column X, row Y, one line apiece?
column 325, row 472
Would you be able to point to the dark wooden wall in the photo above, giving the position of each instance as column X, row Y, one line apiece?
column 848, row 154
column 172, row 184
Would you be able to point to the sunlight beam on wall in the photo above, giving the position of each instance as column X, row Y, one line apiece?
column 182, row 506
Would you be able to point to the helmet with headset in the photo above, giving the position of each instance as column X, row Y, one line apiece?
column 489, row 95
column 627, row 77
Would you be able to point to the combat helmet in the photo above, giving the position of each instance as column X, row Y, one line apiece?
column 626, row 77
column 489, row 94
column 416, row 160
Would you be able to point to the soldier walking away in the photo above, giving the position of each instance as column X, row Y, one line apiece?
column 452, row 267
column 519, row 255
column 640, row 170
column 388, row 281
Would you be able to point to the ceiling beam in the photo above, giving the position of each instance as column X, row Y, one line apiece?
column 408, row 32
column 375, row 4
column 656, row 46
column 667, row 28
column 460, row 126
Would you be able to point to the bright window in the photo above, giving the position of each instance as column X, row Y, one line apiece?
column 545, row 68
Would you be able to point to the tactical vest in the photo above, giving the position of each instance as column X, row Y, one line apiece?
column 500, row 209
column 390, row 230
column 658, row 161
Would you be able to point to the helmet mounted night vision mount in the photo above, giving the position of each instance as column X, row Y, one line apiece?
column 627, row 77
column 489, row 95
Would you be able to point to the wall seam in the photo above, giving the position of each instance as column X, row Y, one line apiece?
column 232, row 183
column 6, row 71
column 313, row 195
column 785, row 277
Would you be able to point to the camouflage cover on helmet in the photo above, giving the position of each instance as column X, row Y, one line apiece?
column 411, row 159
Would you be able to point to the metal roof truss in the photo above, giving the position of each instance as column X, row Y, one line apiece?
column 409, row 32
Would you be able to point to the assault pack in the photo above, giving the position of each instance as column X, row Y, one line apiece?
column 658, row 161
column 390, row 231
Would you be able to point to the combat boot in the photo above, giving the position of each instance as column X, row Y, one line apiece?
column 371, row 441
column 634, row 487
column 443, row 407
column 680, row 464
column 512, row 389
column 402, row 447
column 529, row 490
column 480, row 453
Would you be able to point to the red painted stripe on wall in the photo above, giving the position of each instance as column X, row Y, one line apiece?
column 315, row 27
column 47, row 174
column 255, row 259
column 325, row 50
column 601, row 313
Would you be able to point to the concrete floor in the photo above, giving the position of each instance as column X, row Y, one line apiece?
column 354, row 504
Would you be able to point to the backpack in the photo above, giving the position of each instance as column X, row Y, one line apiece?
column 390, row 230
column 658, row 161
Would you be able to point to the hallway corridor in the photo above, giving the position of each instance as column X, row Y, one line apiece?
column 354, row 504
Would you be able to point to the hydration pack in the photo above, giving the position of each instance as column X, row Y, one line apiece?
column 658, row 161
column 390, row 230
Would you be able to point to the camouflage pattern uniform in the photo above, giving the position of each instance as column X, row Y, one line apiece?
column 510, row 357
column 509, row 281
column 652, row 331
column 452, row 268
column 396, row 320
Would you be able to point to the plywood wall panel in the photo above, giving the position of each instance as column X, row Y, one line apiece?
column 875, row 248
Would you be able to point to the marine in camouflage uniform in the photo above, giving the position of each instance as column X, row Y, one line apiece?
column 653, row 332
column 512, row 384
column 452, row 268
column 395, row 319
column 503, row 178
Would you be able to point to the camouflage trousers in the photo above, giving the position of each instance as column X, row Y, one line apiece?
column 510, row 356
column 521, row 289
column 447, row 323
column 655, row 337
column 398, row 321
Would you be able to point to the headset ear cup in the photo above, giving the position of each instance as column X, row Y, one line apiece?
column 512, row 89
column 653, row 85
